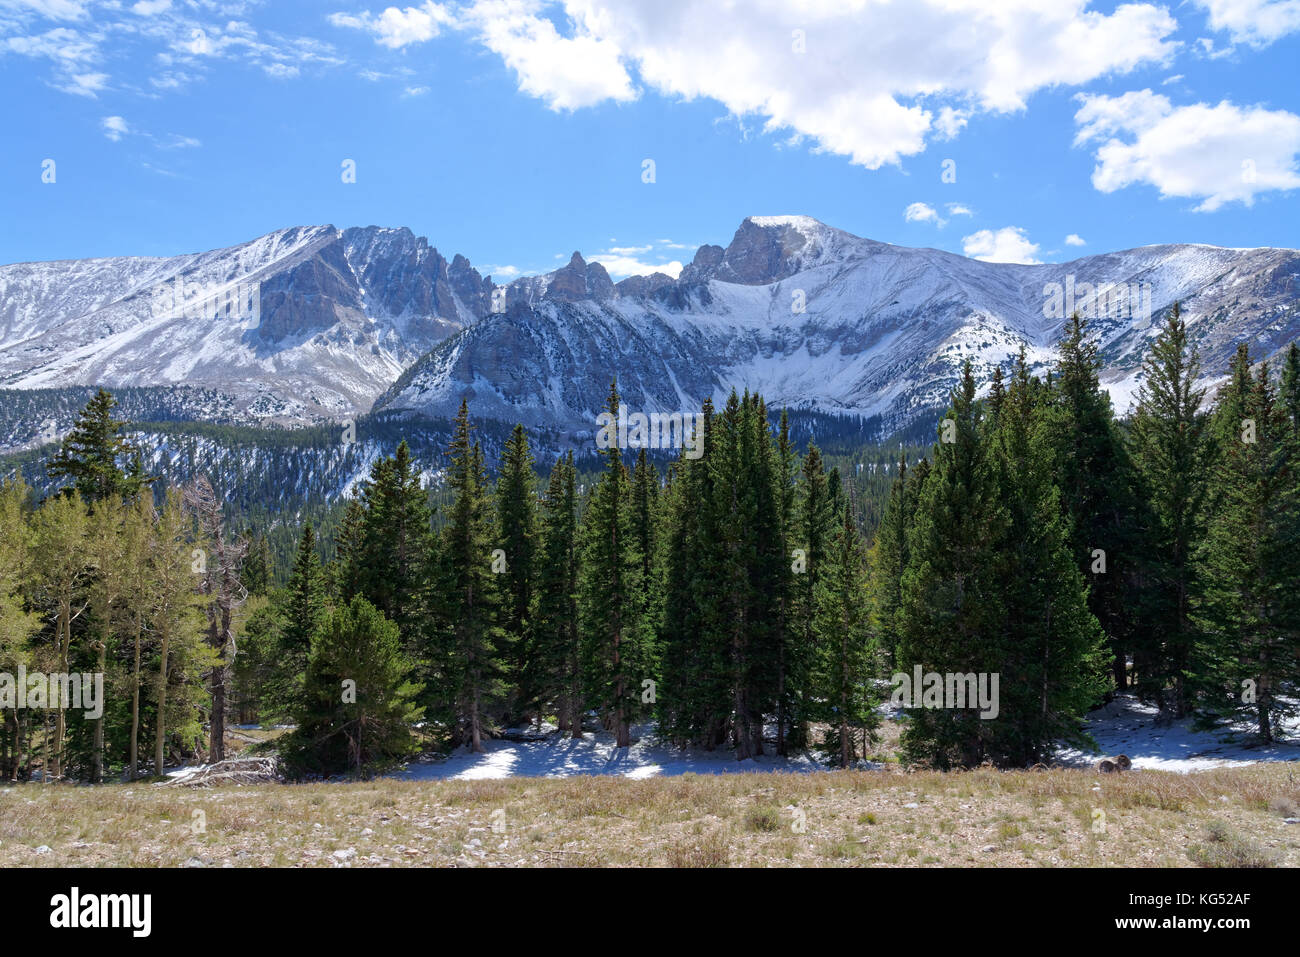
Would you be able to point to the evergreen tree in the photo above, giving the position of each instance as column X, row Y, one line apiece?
column 396, row 547
column 470, row 675
column 305, row 608
column 96, row 457
column 257, row 566
column 1169, row 447
column 845, row 663
column 786, row 467
column 815, row 524
column 1053, row 656
column 693, row 704
column 952, row 593
column 1094, row 474
column 1250, row 647
column 516, row 505
column 556, row 630
column 358, row 703
column 616, row 648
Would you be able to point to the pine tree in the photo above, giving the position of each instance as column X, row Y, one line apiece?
column 1250, row 647
column 556, row 631
column 786, row 466
column 257, row 566
column 815, row 525
column 1093, row 471
column 952, row 606
column 516, row 505
column 469, row 677
column 693, row 702
column 347, row 569
column 616, row 647
column 1290, row 392
column 1052, row 646
column 845, row 658
column 93, row 453
column 396, row 548
column 358, row 702
column 305, row 608
column 1169, row 447
column 889, row 560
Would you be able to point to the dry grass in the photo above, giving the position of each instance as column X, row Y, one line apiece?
column 1061, row 817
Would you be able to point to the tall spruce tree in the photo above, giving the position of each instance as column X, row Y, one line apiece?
column 1053, row 654
column 617, row 650
column 516, row 505
column 693, row 703
column 845, row 662
column 305, row 604
column 469, row 673
column 1250, row 612
column 1093, row 471
column 953, row 591
column 396, row 547
column 1169, row 449
column 556, row 629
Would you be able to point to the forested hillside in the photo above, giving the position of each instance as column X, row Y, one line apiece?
column 756, row 598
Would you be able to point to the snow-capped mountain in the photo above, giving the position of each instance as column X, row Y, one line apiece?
column 300, row 324
column 316, row 322
column 816, row 318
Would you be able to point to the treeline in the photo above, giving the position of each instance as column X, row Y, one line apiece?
column 731, row 600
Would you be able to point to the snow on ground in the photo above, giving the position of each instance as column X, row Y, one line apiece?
column 1127, row 726
column 558, row 756
column 1124, row 726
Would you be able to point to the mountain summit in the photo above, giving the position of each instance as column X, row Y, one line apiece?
column 315, row 322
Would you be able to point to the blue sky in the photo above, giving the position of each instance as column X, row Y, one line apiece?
column 515, row 131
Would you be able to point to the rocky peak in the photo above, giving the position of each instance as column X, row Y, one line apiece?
column 579, row 280
column 764, row 249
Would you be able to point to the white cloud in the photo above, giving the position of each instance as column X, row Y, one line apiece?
column 623, row 261
column 871, row 81
column 281, row 71
column 83, row 84
column 415, row 91
column 1218, row 154
column 958, row 209
column 1074, row 239
column 50, row 9
column 114, row 127
column 1256, row 22
column 620, row 267
column 566, row 72
column 65, row 47
column 921, row 213
column 875, row 81
column 149, row 8
column 1006, row 245
column 396, row 28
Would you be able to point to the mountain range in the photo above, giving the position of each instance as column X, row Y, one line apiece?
column 311, row 324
